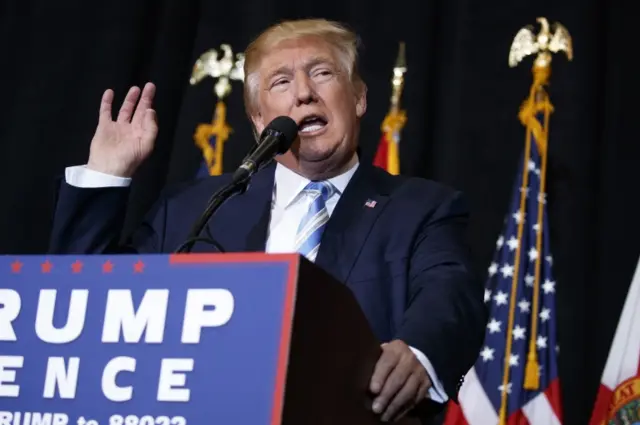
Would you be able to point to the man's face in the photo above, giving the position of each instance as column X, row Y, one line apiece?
column 304, row 80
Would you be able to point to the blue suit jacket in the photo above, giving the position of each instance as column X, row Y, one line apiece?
column 405, row 259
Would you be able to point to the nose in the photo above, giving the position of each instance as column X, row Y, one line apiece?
column 305, row 93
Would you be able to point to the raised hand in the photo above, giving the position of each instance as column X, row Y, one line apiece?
column 119, row 147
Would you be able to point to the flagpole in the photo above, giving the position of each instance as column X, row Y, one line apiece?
column 397, row 82
column 396, row 118
column 514, row 283
column 537, row 102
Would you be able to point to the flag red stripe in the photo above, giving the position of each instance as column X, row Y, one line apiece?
column 455, row 416
column 601, row 406
column 553, row 395
column 518, row 418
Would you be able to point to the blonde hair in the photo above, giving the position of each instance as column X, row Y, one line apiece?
column 341, row 38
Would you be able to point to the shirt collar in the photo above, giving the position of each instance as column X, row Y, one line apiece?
column 289, row 184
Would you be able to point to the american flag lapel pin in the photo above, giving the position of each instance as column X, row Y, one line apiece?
column 370, row 203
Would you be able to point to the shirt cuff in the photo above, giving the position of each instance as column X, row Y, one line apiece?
column 81, row 176
column 436, row 392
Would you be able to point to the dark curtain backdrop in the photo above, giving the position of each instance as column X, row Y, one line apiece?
column 462, row 101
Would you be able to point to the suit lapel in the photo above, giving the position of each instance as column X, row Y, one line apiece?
column 351, row 222
column 242, row 225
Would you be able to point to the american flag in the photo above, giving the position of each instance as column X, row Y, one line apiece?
column 520, row 281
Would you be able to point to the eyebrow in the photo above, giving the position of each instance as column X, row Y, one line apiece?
column 285, row 69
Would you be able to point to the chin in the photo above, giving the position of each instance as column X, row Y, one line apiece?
column 315, row 154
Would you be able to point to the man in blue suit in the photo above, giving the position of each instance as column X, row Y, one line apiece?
column 397, row 242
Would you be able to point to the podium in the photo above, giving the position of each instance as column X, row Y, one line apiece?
column 190, row 339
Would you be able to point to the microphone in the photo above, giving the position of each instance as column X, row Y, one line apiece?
column 275, row 139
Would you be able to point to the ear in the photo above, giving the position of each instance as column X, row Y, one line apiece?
column 361, row 100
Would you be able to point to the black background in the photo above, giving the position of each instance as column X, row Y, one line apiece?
column 461, row 97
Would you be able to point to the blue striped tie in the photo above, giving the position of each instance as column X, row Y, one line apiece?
column 314, row 222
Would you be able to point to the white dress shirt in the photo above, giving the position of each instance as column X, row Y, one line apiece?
column 288, row 207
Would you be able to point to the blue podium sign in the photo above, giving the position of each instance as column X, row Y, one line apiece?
column 145, row 340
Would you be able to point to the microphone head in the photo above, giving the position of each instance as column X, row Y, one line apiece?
column 286, row 130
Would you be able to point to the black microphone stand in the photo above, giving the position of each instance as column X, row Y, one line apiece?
column 235, row 187
column 276, row 138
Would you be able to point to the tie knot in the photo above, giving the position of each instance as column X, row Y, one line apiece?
column 322, row 188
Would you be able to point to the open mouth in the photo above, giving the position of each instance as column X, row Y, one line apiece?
column 312, row 124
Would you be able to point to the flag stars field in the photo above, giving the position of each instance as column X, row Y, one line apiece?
column 487, row 353
column 524, row 306
column 501, row 298
column 494, row 326
column 518, row 332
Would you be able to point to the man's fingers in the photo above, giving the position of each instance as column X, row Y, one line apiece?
column 126, row 111
column 146, row 100
column 403, row 399
column 403, row 412
column 150, row 123
column 384, row 366
column 394, row 383
column 149, row 129
column 423, row 390
column 106, row 106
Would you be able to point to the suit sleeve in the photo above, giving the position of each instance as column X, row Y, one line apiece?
column 436, row 392
column 445, row 316
column 89, row 217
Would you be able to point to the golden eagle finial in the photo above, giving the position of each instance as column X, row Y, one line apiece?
column 525, row 43
column 223, row 69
